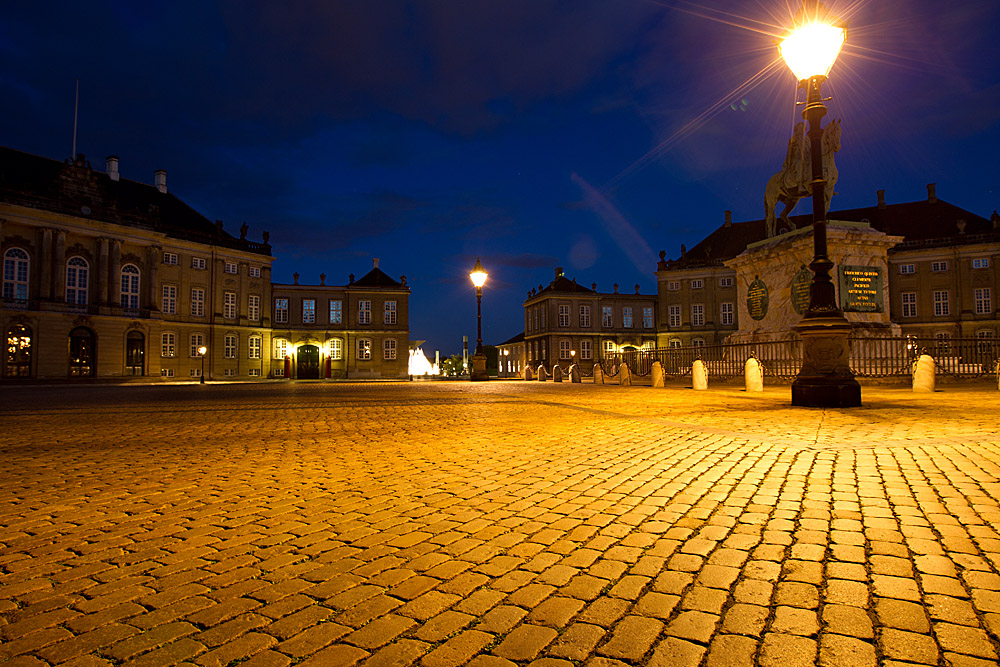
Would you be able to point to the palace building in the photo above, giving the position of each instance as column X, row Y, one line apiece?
column 105, row 277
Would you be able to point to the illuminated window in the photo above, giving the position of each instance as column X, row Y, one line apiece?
column 281, row 311
column 168, row 303
column 168, row 344
column 166, row 372
column 197, row 302
column 981, row 263
column 77, row 280
column 909, row 301
column 229, row 346
column 15, row 274
column 674, row 316
column 726, row 313
column 905, row 269
column 195, row 341
column 607, row 319
column 564, row 316
column 697, row 314
column 564, row 349
column 586, row 350
column 609, row 347
column 336, row 311
column 364, row 349
column 280, row 348
column 253, row 307
column 130, row 287
column 197, row 262
column 984, row 301
column 627, row 317
column 229, row 305
column 941, row 303
column 726, row 281
column 231, row 267
column 170, row 258
column 389, row 349
column 336, row 349
column 308, row 311
column 584, row 317
column 697, row 283
column 938, row 267
column 365, row 317
column 254, row 344
column 647, row 318
column 390, row 314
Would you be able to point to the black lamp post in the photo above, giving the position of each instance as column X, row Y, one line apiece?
column 201, row 353
column 478, row 277
column 825, row 379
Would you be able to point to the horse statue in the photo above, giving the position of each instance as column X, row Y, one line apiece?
column 792, row 183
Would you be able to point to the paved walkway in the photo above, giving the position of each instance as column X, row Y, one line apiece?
column 495, row 524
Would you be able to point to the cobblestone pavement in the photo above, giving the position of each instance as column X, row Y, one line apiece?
column 495, row 524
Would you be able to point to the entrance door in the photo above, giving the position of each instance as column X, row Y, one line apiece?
column 135, row 353
column 81, row 352
column 308, row 362
column 18, row 352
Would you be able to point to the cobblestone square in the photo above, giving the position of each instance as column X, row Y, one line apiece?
column 495, row 524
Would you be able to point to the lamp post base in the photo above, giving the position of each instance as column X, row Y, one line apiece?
column 825, row 380
column 479, row 368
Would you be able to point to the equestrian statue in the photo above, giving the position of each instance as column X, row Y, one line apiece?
column 793, row 182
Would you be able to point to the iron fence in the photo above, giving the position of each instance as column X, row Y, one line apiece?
column 871, row 357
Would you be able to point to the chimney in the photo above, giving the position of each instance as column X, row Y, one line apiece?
column 616, row 288
column 729, row 219
column 881, row 198
column 112, row 167
column 931, row 194
column 593, row 286
column 374, row 262
column 160, row 180
column 322, row 279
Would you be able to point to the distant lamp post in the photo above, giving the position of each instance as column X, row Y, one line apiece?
column 825, row 379
column 506, row 363
column 201, row 353
column 478, row 277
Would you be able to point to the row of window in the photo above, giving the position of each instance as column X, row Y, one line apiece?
column 940, row 266
column 699, row 283
column 536, row 318
column 336, row 311
column 726, row 314
column 536, row 349
column 200, row 263
column 334, row 347
column 982, row 298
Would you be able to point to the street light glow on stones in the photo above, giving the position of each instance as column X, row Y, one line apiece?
column 478, row 274
column 811, row 49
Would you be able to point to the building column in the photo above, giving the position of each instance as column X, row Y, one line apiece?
column 45, row 266
column 101, row 273
column 59, row 266
column 153, row 261
column 115, row 272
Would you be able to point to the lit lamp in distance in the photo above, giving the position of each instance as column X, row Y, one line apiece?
column 201, row 353
column 478, row 277
column 825, row 379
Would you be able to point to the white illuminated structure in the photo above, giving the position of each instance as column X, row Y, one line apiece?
column 420, row 365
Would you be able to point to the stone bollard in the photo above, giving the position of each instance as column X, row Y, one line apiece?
column 528, row 375
column 699, row 375
column 598, row 374
column 541, row 373
column 923, row 374
column 625, row 376
column 557, row 373
column 574, row 374
column 753, row 375
column 657, row 374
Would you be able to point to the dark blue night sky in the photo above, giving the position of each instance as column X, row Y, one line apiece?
column 532, row 133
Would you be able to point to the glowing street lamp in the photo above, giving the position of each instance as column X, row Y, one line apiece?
column 478, row 277
column 825, row 379
column 201, row 353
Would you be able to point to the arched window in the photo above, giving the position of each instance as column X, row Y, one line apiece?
column 18, row 352
column 77, row 280
column 130, row 287
column 15, row 274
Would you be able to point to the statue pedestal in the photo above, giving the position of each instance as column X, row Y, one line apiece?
column 825, row 379
column 479, row 368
